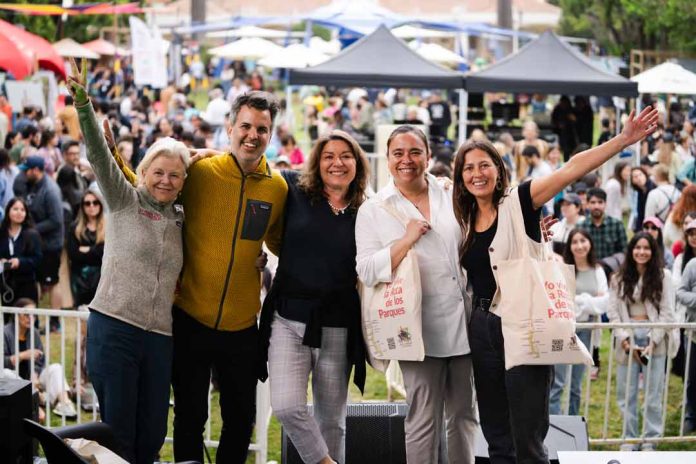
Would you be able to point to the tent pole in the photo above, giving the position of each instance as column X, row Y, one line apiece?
column 636, row 147
column 463, row 115
column 288, row 106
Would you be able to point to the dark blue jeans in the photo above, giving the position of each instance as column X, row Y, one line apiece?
column 130, row 369
column 513, row 404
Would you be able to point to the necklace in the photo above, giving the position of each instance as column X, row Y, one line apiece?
column 336, row 210
column 418, row 198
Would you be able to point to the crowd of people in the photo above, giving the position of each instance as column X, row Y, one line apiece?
column 174, row 298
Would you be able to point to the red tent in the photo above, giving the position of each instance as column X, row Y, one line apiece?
column 34, row 45
column 18, row 61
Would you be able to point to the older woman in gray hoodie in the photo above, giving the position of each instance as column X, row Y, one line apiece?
column 129, row 344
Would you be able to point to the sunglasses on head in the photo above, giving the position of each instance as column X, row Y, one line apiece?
column 91, row 203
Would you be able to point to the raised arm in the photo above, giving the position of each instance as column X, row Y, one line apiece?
column 117, row 191
column 635, row 129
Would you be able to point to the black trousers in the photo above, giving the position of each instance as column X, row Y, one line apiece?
column 197, row 349
column 513, row 404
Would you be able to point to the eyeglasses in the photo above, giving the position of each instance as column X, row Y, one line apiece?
column 91, row 203
column 650, row 227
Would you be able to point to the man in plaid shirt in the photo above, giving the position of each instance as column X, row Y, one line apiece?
column 608, row 234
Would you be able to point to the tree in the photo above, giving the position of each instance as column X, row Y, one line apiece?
column 622, row 25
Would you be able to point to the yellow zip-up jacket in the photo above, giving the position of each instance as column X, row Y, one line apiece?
column 229, row 215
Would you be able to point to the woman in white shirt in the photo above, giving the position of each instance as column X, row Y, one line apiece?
column 617, row 188
column 443, row 381
column 591, row 296
column 642, row 292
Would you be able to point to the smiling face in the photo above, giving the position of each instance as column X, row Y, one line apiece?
column 164, row 178
column 479, row 174
column 249, row 136
column 17, row 213
column 580, row 247
column 337, row 165
column 407, row 158
column 642, row 253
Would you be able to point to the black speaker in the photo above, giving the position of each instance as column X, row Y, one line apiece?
column 566, row 433
column 374, row 435
column 15, row 405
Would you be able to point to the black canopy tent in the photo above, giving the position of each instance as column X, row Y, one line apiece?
column 378, row 60
column 550, row 66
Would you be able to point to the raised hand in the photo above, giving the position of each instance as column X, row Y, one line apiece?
column 109, row 136
column 639, row 127
column 77, row 82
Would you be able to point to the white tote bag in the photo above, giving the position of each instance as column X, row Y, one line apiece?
column 391, row 312
column 538, row 307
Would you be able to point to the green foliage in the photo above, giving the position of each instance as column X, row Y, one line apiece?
column 81, row 28
column 622, row 25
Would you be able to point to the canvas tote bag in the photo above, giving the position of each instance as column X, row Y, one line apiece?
column 391, row 312
column 538, row 307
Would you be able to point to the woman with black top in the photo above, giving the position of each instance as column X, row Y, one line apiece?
column 514, row 403
column 86, row 248
column 20, row 254
column 313, row 307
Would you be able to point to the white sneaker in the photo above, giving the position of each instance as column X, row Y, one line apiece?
column 65, row 409
column 628, row 447
column 647, row 446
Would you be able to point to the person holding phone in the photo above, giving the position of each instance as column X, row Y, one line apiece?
column 642, row 291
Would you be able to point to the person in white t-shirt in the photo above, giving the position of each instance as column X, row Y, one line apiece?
column 661, row 199
column 537, row 168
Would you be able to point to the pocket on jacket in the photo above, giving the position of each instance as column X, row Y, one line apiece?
column 256, row 217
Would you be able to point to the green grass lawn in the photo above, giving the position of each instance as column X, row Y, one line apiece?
column 376, row 389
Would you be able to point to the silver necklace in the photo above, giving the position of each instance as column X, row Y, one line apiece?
column 337, row 210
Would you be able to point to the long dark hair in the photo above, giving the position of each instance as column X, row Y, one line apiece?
column 28, row 221
column 465, row 206
column 568, row 256
column 617, row 175
column 310, row 180
column 628, row 276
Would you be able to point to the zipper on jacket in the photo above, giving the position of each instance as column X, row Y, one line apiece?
column 234, row 244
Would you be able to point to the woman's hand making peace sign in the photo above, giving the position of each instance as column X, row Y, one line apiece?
column 77, row 82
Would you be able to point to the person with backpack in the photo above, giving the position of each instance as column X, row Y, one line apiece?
column 662, row 198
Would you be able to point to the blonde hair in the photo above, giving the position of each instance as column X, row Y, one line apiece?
column 82, row 220
column 168, row 147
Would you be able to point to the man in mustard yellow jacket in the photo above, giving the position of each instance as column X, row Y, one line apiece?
column 233, row 203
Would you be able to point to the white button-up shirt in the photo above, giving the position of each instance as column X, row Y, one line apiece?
column 444, row 302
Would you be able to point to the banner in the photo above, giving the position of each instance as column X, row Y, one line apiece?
column 149, row 63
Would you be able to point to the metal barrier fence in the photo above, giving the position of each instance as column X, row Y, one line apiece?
column 607, row 435
column 71, row 334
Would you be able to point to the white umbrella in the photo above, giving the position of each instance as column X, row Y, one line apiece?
column 666, row 78
column 436, row 53
column 69, row 48
column 323, row 46
column 253, row 31
column 410, row 32
column 294, row 56
column 247, row 48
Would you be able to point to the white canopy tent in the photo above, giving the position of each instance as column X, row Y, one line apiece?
column 293, row 56
column 246, row 48
column 331, row 47
column 254, row 31
column 436, row 53
column 413, row 32
column 666, row 78
column 68, row 48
